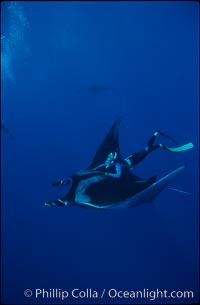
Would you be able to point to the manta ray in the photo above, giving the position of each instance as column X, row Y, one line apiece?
column 91, row 188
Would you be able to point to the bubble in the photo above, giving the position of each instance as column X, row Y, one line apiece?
column 13, row 40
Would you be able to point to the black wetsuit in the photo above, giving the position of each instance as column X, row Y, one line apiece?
column 112, row 169
column 119, row 168
column 137, row 157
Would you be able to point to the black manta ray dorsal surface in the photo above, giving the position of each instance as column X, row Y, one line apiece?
column 109, row 144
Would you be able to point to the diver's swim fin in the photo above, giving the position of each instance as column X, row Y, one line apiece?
column 166, row 136
column 178, row 149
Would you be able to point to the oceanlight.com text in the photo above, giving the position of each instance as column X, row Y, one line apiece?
column 112, row 293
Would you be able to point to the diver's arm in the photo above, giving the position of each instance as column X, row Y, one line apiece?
column 109, row 161
column 118, row 172
column 62, row 182
column 99, row 166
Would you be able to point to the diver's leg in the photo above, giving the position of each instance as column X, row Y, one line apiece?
column 152, row 139
column 156, row 134
column 136, row 158
column 153, row 147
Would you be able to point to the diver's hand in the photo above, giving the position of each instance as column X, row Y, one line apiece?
column 110, row 159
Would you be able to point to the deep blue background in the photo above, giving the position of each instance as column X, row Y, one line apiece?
column 144, row 58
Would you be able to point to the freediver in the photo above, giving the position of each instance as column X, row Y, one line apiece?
column 113, row 167
column 119, row 169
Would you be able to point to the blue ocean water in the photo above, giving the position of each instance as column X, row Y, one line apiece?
column 69, row 70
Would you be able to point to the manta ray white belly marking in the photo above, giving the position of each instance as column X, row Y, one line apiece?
column 82, row 187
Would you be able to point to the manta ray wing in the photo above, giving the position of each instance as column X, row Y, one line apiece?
column 109, row 144
column 149, row 194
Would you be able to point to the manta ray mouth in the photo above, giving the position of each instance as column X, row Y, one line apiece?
column 58, row 202
column 88, row 204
